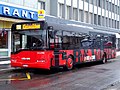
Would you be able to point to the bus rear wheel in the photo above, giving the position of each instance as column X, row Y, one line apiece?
column 104, row 59
column 69, row 63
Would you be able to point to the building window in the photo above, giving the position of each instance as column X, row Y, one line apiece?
column 86, row 0
column 113, row 23
column 95, row 19
column 91, row 18
column 74, row 13
column 104, row 4
column 80, row 15
column 61, row 10
column 99, row 20
column 107, row 5
column 3, row 39
column 117, row 24
column 99, row 3
column 91, row 1
column 110, row 6
column 86, row 17
column 68, row 12
column 95, row 2
column 113, row 8
column 106, row 22
column 110, row 22
column 18, row 2
column 41, row 5
column 103, row 21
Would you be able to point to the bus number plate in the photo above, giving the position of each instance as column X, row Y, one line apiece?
column 25, row 65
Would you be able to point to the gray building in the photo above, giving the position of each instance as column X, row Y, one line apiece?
column 99, row 14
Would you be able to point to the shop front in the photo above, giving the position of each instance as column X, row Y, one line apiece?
column 8, row 16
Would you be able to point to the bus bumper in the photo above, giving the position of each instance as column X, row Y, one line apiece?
column 31, row 65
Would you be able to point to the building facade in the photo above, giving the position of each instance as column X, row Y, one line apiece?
column 98, row 14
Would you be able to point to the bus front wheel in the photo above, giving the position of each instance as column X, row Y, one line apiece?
column 69, row 63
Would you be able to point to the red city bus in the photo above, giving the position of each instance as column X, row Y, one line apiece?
column 46, row 45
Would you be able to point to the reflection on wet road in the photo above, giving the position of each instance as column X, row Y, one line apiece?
column 83, row 77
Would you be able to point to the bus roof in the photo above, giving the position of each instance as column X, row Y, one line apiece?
column 77, row 28
column 65, row 27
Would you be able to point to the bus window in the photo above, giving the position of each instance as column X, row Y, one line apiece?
column 55, row 39
column 109, row 41
column 29, row 40
column 86, row 43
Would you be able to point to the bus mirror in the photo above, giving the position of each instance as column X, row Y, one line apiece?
column 51, row 34
column 50, row 27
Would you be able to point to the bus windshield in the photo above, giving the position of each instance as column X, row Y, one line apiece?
column 30, row 39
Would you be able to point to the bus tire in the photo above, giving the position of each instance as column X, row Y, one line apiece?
column 104, row 59
column 69, row 63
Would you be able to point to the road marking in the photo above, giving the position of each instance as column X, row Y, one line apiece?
column 13, row 79
column 28, row 76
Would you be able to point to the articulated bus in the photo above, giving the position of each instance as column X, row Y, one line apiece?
column 45, row 45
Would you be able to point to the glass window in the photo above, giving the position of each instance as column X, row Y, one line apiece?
column 109, row 22
column 113, row 8
column 99, row 3
column 107, row 5
column 103, row 4
column 95, row 2
column 103, row 21
column 74, row 13
column 30, row 3
column 91, row 18
column 117, row 24
column 99, row 20
column 61, row 9
column 86, row 0
column 80, row 15
column 91, row 1
column 19, row 2
column 68, row 12
column 106, row 22
column 29, row 40
column 3, row 39
column 41, row 5
column 86, row 17
column 95, row 19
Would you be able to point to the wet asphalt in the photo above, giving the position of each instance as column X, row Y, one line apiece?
column 92, row 76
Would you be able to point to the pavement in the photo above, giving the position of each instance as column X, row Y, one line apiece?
column 5, row 66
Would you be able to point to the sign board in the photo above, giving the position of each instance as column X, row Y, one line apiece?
column 41, row 14
column 16, row 12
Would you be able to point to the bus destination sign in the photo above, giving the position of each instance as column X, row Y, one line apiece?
column 31, row 26
column 28, row 26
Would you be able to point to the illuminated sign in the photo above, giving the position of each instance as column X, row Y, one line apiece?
column 10, row 11
column 18, row 27
column 31, row 26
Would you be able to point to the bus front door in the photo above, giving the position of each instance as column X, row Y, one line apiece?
column 56, row 53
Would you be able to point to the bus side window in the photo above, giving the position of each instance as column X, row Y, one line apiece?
column 87, row 44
